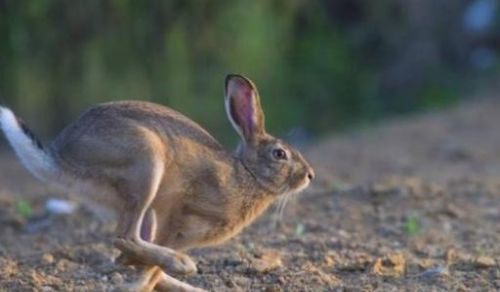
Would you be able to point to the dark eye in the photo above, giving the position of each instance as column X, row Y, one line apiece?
column 279, row 154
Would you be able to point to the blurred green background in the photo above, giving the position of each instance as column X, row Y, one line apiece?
column 320, row 65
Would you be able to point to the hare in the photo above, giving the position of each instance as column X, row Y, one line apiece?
column 173, row 185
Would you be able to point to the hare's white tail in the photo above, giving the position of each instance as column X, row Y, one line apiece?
column 27, row 147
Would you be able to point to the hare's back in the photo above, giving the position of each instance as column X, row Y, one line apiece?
column 109, row 131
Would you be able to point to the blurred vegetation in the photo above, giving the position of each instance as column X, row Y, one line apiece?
column 320, row 65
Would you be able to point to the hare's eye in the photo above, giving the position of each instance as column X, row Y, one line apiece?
column 279, row 154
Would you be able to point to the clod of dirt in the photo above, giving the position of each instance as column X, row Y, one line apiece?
column 47, row 259
column 451, row 256
column 42, row 279
column 388, row 186
column 389, row 266
column 360, row 263
column 8, row 268
column 328, row 261
column 117, row 278
column 317, row 275
column 266, row 261
column 426, row 263
column 454, row 211
column 65, row 265
column 240, row 281
column 484, row 262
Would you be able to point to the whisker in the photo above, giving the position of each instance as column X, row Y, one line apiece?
column 285, row 202
column 278, row 207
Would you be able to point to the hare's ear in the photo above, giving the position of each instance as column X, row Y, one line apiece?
column 243, row 108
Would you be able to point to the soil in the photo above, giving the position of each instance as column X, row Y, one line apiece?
column 411, row 204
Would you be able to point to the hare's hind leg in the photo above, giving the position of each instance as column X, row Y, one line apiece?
column 169, row 283
column 153, row 276
column 148, row 233
column 140, row 187
column 154, row 279
column 145, row 283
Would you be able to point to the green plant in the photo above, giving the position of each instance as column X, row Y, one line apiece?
column 24, row 209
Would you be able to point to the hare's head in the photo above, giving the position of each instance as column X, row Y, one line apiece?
column 274, row 163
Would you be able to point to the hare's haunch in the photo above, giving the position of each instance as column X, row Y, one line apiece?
column 174, row 186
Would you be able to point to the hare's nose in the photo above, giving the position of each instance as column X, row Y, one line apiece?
column 310, row 174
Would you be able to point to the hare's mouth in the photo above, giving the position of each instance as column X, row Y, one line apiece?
column 287, row 193
column 287, row 190
column 303, row 186
column 299, row 188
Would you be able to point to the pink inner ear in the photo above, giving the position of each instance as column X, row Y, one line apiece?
column 242, row 106
column 247, row 107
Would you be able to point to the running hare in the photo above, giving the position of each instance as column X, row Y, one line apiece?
column 173, row 185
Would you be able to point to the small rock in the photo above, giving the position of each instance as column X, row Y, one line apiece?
column 116, row 278
column 242, row 282
column 47, row 259
column 389, row 266
column 434, row 273
column 267, row 261
column 66, row 265
column 281, row 280
column 426, row 263
column 360, row 263
column 451, row 256
column 60, row 206
column 328, row 261
column 230, row 283
column 454, row 211
column 484, row 262
column 317, row 275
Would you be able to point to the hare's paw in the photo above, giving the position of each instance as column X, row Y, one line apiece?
column 169, row 283
column 149, row 253
column 182, row 265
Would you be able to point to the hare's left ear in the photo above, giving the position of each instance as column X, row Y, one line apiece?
column 243, row 108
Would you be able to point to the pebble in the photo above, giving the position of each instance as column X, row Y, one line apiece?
column 60, row 206
column 484, row 262
column 47, row 259
column 116, row 278
column 426, row 263
column 66, row 265
column 269, row 260
column 434, row 273
column 451, row 256
column 241, row 281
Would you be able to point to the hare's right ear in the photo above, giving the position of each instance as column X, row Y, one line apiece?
column 243, row 108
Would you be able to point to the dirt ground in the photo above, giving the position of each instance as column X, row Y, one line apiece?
column 411, row 204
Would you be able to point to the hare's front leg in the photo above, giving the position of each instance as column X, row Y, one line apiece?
column 139, row 189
